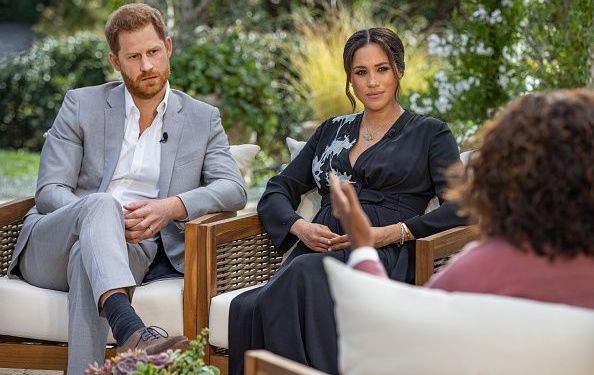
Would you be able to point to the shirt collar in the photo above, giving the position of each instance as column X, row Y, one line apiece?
column 129, row 102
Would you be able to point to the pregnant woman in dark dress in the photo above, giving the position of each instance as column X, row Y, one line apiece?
column 394, row 158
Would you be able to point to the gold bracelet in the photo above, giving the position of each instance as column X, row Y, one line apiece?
column 408, row 233
column 401, row 234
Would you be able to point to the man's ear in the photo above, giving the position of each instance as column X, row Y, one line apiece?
column 115, row 62
column 168, row 46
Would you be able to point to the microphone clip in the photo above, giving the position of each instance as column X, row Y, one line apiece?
column 164, row 137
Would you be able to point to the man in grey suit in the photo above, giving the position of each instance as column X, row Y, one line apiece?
column 123, row 166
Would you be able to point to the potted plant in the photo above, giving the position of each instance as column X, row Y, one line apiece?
column 171, row 362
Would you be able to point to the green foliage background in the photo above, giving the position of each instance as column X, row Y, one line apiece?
column 244, row 73
column 248, row 74
column 239, row 57
column 497, row 50
column 32, row 85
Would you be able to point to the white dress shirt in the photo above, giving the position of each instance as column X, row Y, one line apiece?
column 136, row 175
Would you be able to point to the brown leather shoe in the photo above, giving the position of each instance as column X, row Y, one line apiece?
column 153, row 340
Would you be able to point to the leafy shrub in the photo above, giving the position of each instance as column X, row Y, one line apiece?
column 32, row 85
column 497, row 50
column 562, row 43
column 248, row 75
column 67, row 17
column 22, row 11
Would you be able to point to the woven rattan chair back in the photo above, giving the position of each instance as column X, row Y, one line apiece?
column 11, row 221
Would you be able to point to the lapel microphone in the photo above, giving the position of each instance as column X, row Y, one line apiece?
column 164, row 137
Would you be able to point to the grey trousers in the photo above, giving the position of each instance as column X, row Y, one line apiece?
column 81, row 249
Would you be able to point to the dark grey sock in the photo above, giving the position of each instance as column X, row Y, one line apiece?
column 121, row 317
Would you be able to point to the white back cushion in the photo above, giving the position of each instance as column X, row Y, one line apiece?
column 244, row 156
column 386, row 327
column 312, row 200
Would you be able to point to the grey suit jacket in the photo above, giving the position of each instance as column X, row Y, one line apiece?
column 83, row 146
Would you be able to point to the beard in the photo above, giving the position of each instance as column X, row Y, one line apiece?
column 146, row 89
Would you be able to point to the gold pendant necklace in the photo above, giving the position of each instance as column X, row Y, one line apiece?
column 368, row 135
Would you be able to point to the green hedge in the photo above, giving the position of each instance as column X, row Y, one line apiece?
column 32, row 85
column 243, row 73
column 248, row 76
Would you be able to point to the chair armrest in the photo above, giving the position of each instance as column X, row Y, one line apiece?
column 192, row 249
column 215, row 216
column 13, row 211
column 263, row 362
column 439, row 246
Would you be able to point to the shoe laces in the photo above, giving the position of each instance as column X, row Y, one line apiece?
column 152, row 333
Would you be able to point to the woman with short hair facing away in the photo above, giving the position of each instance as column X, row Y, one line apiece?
column 531, row 189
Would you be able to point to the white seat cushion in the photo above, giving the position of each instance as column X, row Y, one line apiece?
column 218, row 321
column 386, row 327
column 36, row 313
column 312, row 200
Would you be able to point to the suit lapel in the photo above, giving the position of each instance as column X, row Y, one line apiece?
column 173, row 124
column 115, row 122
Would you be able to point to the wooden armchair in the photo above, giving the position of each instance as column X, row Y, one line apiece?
column 30, row 353
column 238, row 254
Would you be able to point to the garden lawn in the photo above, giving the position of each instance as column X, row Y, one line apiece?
column 18, row 173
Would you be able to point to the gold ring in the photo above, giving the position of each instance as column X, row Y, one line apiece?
column 151, row 229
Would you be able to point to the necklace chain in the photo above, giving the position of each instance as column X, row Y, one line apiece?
column 368, row 135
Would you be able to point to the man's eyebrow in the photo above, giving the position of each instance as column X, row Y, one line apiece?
column 156, row 46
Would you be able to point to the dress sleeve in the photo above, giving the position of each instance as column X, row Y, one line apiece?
column 283, row 193
column 443, row 152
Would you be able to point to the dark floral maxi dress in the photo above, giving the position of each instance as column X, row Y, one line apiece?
column 292, row 315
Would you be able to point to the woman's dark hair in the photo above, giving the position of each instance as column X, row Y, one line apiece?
column 387, row 40
column 532, row 180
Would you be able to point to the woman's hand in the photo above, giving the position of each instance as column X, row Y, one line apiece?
column 317, row 237
column 383, row 236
